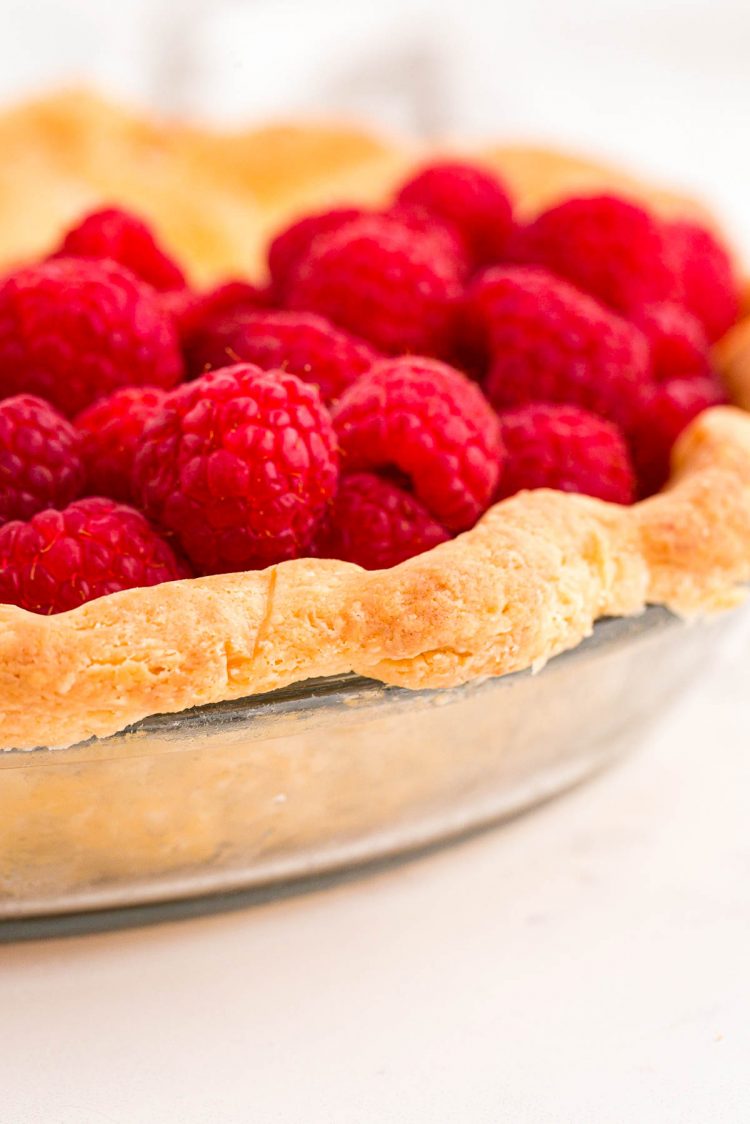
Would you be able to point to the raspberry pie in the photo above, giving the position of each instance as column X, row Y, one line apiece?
column 298, row 402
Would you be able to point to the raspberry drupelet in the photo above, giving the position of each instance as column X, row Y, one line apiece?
column 549, row 342
column 376, row 524
column 60, row 559
column 74, row 330
column 41, row 462
column 195, row 312
column 607, row 246
column 380, row 281
column 432, row 424
column 468, row 198
column 123, row 237
column 678, row 343
column 708, row 285
column 663, row 411
column 302, row 343
column 567, row 448
column 291, row 244
column 111, row 432
column 239, row 466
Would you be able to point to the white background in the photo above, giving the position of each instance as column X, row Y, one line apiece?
column 662, row 84
column 586, row 964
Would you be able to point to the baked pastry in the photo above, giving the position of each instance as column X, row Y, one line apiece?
column 523, row 583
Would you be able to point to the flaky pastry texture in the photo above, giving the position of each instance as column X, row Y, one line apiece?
column 526, row 583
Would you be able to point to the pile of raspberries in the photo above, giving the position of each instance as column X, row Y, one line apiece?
column 400, row 371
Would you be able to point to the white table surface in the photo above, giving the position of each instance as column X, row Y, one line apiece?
column 586, row 963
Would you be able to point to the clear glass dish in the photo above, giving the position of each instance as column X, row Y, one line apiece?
column 323, row 775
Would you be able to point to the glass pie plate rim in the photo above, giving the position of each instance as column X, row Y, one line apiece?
column 295, row 723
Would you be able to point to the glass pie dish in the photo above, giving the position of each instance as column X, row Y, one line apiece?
column 324, row 775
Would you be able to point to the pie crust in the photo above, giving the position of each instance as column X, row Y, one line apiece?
column 526, row 583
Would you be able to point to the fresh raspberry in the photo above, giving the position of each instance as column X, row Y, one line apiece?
column 431, row 423
column 40, row 458
column 550, row 342
column 375, row 524
column 290, row 245
column 565, row 448
column 445, row 237
column 124, row 238
column 73, row 330
column 59, row 559
column 665, row 409
column 679, row 347
column 470, row 199
column 302, row 343
column 240, row 465
column 194, row 312
column 377, row 280
column 111, row 433
column 612, row 249
column 709, row 287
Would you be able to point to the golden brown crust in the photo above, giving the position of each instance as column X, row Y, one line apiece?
column 732, row 358
column 214, row 197
column 528, row 582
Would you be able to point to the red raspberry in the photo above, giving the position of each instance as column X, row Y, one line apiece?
column 194, row 312
column 610, row 248
column 111, row 433
column 40, row 458
column 708, row 285
column 446, row 238
column 124, row 238
column 240, row 465
column 59, row 559
column 300, row 342
column 471, row 200
column 430, row 422
column 664, row 410
column 73, row 331
column 565, row 448
column 549, row 342
column 376, row 279
column 291, row 244
column 679, row 347
column 375, row 524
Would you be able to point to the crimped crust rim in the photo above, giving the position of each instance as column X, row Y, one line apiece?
column 528, row 582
